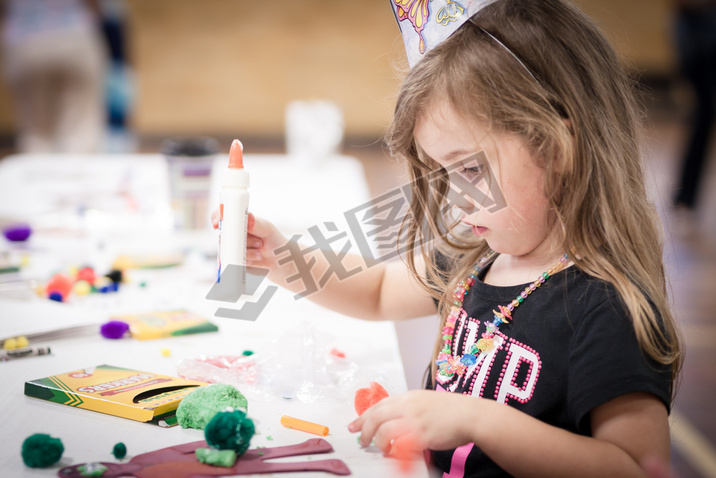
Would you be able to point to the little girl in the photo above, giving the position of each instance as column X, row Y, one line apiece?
column 556, row 352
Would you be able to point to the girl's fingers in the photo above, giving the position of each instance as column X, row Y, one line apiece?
column 215, row 218
column 260, row 227
column 389, row 431
column 254, row 242
column 373, row 418
column 254, row 255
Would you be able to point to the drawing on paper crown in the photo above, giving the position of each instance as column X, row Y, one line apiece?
column 426, row 31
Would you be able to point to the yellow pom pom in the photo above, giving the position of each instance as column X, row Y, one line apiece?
column 10, row 344
column 82, row 287
column 166, row 352
column 22, row 342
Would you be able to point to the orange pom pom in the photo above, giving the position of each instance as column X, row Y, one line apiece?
column 61, row 284
column 367, row 397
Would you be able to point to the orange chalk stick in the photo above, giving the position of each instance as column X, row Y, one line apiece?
column 304, row 426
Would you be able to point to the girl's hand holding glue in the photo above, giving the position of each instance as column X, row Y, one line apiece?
column 262, row 239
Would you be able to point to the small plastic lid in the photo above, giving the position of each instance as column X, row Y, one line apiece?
column 190, row 146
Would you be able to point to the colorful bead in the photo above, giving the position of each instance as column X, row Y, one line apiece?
column 449, row 365
column 505, row 312
column 484, row 344
column 468, row 359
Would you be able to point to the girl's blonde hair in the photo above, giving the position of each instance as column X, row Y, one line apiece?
column 572, row 103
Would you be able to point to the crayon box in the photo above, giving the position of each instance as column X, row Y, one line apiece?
column 141, row 396
column 157, row 325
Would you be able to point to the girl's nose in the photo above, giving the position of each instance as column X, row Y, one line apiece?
column 461, row 201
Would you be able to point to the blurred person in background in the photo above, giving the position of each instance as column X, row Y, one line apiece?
column 120, row 86
column 695, row 32
column 54, row 62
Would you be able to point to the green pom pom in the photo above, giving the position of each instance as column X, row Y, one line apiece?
column 119, row 451
column 230, row 430
column 41, row 450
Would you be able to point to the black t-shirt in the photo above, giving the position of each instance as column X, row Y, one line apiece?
column 570, row 347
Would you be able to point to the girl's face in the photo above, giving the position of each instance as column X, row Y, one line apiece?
column 508, row 207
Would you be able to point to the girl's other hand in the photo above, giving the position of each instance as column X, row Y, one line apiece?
column 421, row 418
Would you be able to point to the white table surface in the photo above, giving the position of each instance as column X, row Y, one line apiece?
column 45, row 191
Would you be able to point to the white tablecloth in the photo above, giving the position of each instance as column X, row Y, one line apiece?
column 88, row 210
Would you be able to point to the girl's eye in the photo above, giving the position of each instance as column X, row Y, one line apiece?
column 473, row 171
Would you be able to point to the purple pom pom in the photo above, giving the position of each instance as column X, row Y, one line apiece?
column 17, row 232
column 114, row 329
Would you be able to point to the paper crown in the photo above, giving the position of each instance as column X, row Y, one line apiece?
column 427, row 23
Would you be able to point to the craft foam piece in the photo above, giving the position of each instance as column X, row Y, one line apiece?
column 210, row 456
column 367, row 397
column 180, row 462
column 200, row 406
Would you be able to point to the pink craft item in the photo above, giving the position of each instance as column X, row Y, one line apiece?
column 180, row 462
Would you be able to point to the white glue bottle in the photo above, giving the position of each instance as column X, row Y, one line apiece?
column 233, row 213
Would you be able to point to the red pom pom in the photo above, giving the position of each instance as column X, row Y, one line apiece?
column 87, row 274
column 367, row 397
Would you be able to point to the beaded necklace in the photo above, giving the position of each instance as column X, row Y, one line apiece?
column 449, row 365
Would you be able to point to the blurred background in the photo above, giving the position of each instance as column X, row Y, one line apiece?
column 254, row 70
column 230, row 67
